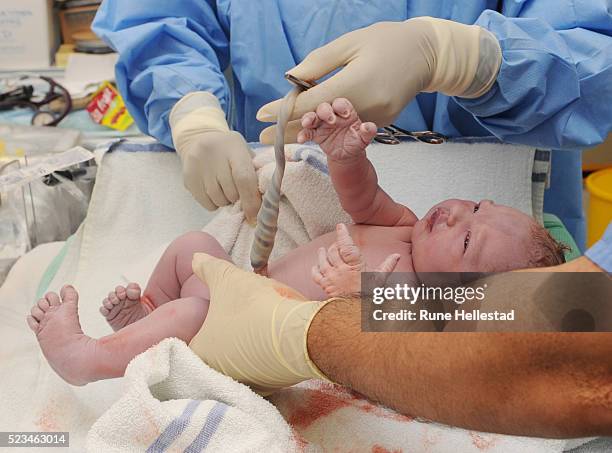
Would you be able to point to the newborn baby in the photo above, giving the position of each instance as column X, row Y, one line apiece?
column 454, row 236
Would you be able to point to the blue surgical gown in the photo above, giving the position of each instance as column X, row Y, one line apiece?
column 554, row 88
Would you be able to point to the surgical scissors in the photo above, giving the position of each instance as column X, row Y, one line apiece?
column 392, row 135
column 389, row 135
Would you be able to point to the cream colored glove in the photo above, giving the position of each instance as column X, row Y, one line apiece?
column 255, row 330
column 217, row 162
column 387, row 64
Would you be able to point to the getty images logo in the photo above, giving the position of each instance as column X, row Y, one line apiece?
column 422, row 293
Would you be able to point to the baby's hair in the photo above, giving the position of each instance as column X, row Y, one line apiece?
column 547, row 251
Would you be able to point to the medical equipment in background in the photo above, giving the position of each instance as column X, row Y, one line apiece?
column 42, row 199
column 50, row 105
column 393, row 135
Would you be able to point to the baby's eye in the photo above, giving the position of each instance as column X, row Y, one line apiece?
column 476, row 207
column 466, row 241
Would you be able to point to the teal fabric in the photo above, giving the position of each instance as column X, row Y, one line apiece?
column 52, row 269
column 558, row 231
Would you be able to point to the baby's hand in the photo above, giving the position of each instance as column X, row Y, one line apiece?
column 338, row 130
column 338, row 271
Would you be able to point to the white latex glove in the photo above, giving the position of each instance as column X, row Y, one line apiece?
column 217, row 162
column 256, row 328
column 385, row 65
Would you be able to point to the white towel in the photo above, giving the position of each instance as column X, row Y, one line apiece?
column 174, row 402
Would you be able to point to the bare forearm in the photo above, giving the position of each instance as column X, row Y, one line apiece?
column 356, row 184
column 553, row 385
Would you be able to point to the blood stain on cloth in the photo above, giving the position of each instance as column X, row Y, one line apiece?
column 299, row 440
column 380, row 449
column 48, row 417
column 482, row 442
column 316, row 404
column 304, row 406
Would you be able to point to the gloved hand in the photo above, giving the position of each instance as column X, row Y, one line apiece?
column 387, row 64
column 255, row 330
column 217, row 162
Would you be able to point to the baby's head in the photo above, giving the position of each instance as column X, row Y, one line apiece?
column 464, row 236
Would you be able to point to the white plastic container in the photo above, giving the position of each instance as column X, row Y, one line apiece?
column 28, row 37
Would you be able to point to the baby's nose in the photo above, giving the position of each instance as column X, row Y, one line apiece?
column 456, row 213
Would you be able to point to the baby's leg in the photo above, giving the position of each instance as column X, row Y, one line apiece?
column 174, row 270
column 80, row 359
column 171, row 279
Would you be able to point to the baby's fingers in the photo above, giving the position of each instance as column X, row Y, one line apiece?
column 333, row 255
column 322, row 261
column 326, row 113
column 316, row 275
column 305, row 135
column 349, row 252
column 367, row 131
column 388, row 265
column 310, row 120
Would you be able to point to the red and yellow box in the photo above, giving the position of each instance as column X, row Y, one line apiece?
column 108, row 109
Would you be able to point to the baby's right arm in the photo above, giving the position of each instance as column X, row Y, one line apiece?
column 343, row 137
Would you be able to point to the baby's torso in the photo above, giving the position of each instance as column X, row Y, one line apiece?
column 375, row 242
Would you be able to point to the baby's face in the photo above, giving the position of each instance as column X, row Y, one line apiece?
column 464, row 236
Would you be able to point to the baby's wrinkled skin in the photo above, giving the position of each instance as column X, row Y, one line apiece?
column 454, row 236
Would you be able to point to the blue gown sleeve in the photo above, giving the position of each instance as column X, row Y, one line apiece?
column 601, row 252
column 554, row 88
column 167, row 49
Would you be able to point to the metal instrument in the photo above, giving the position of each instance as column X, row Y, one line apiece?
column 49, row 109
column 393, row 135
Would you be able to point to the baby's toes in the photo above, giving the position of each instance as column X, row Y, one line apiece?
column 43, row 304
column 37, row 313
column 33, row 324
column 104, row 310
column 53, row 299
column 106, row 303
column 120, row 292
column 133, row 291
column 113, row 299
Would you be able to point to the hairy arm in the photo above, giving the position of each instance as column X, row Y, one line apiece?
column 356, row 184
column 537, row 384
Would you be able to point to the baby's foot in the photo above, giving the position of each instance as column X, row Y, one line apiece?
column 339, row 269
column 58, row 331
column 123, row 306
column 338, row 130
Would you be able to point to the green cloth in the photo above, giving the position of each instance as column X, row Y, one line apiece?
column 558, row 231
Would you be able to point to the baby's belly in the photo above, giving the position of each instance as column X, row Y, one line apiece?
column 376, row 243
